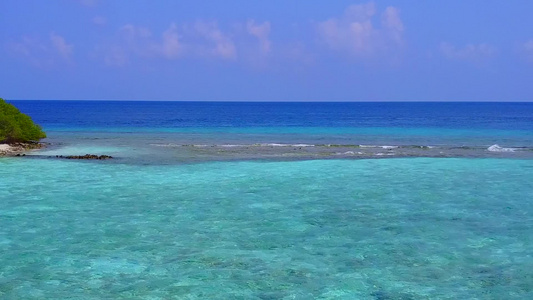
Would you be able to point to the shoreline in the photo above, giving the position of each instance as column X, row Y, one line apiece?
column 17, row 149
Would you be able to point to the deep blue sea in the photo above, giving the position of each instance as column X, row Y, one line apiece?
column 228, row 200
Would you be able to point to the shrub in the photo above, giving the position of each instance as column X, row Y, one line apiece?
column 16, row 126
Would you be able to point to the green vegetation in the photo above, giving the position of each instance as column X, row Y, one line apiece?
column 17, row 127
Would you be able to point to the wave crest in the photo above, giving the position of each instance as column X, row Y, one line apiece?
column 497, row 148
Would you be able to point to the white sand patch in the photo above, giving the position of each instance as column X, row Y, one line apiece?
column 6, row 149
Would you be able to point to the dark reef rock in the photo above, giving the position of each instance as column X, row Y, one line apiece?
column 86, row 156
column 29, row 145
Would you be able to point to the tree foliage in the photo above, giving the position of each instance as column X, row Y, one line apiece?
column 16, row 126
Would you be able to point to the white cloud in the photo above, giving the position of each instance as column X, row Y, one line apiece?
column 219, row 44
column 261, row 32
column 356, row 32
column 247, row 43
column 61, row 46
column 393, row 24
column 137, row 40
column 170, row 46
column 476, row 53
column 40, row 52
column 199, row 39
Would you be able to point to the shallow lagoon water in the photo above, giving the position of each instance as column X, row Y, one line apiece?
column 251, row 201
column 408, row 228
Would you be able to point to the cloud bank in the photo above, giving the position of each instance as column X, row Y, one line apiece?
column 261, row 32
column 357, row 32
column 200, row 39
column 42, row 53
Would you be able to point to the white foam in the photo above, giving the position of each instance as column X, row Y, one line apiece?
column 231, row 146
column 349, row 153
column 376, row 146
column 382, row 154
column 286, row 145
column 497, row 148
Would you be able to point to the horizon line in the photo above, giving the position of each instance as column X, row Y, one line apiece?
column 281, row 101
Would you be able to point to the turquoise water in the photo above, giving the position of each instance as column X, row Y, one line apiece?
column 406, row 228
column 271, row 201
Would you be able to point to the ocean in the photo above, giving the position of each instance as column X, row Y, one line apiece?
column 256, row 200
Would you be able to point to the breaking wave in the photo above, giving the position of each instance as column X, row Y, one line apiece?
column 497, row 148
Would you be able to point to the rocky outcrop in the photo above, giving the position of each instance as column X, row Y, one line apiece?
column 17, row 149
column 86, row 156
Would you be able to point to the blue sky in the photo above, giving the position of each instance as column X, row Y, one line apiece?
column 476, row 50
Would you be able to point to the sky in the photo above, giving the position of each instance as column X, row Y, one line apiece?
column 248, row 50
